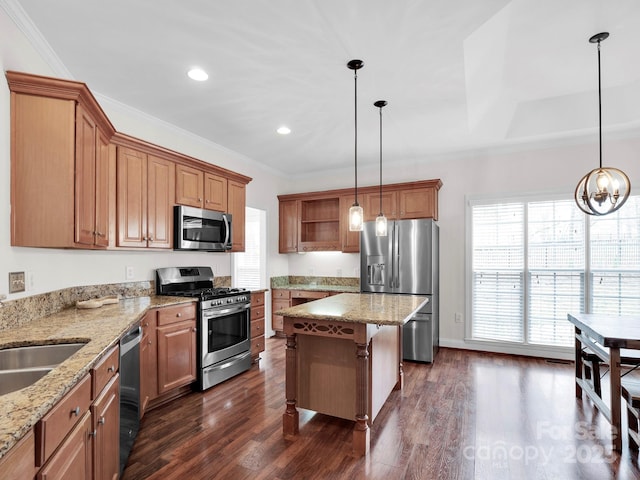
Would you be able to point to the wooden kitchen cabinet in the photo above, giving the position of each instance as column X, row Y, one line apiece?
column 105, row 418
column 189, row 186
column 257, row 325
column 93, row 153
column 19, row 462
column 288, row 226
column 371, row 205
column 404, row 203
column 60, row 164
column 201, row 189
column 176, row 344
column 350, row 240
column 52, row 429
column 280, row 298
column 74, row 457
column 148, row 361
column 318, row 221
column 145, row 192
column 167, row 354
column 236, row 207
column 215, row 192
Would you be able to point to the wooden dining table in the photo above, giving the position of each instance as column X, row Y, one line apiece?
column 605, row 336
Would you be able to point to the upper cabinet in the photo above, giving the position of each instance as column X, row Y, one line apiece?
column 288, row 231
column 77, row 183
column 318, row 221
column 413, row 200
column 145, row 189
column 61, row 164
column 201, row 189
column 189, row 186
column 236, row 207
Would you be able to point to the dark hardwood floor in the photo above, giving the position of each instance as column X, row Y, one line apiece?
column 470, row 415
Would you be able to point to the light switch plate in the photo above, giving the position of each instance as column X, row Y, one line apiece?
column 16, row 282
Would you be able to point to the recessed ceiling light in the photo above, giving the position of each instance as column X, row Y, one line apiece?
column 197, row 74
column 284, row 130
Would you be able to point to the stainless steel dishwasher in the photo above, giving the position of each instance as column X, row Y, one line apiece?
column 129, row 391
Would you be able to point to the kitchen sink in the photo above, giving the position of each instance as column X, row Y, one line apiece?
column 12, row 380
column 23, row 366
column 33, row 356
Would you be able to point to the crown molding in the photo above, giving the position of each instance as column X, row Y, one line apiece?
column 24, row 23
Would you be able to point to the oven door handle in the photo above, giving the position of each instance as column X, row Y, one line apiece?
column 217, row 313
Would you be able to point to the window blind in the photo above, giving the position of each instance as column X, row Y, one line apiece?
column 530, row 268
column 249, row 265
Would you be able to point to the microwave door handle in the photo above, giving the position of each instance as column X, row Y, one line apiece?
column 226, row 230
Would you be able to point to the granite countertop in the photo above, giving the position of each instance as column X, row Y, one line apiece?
column 320, row 288
column 101, row 328
column 376, row 308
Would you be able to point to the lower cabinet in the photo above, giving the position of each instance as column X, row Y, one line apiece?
column 279, row 299
column 19, row 462
column 148, row 361
column 80, row 436
column 257, row 325
column 105, row 417
column 74, row 457
column 167, row 353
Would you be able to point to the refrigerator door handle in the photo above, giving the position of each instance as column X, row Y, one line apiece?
column 396, row 255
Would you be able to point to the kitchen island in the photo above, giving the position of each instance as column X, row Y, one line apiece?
column 344, row 357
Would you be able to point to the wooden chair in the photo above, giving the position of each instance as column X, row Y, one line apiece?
column 591, row 363
column 631, row 395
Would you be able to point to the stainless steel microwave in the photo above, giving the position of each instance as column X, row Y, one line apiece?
column 200, row 229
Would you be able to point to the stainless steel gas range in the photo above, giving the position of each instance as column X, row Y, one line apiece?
column 224, row 321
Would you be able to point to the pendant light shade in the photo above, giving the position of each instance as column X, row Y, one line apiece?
column 381, row 220
column 356, row 215
column 602, row 190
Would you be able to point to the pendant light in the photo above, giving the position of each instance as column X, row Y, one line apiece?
column 602, row 190
column 356, row 216
column 381, row 220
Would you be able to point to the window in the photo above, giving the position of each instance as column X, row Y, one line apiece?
column 533, row 261
column 249, row 267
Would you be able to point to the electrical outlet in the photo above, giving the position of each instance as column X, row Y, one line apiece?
column 16, row 282
column 458, row 317
column 129, row 273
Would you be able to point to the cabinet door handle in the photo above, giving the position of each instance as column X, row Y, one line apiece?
column 151, row 239
column 111, row 369
column 178, row 314
column 193, row 329
column 101, row 421
column 76, row 411
column 93, row 433
column 149, row 342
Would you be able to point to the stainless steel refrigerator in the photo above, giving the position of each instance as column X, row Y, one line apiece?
column 406, row 262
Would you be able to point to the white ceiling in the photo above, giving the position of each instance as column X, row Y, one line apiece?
column 458, row 74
